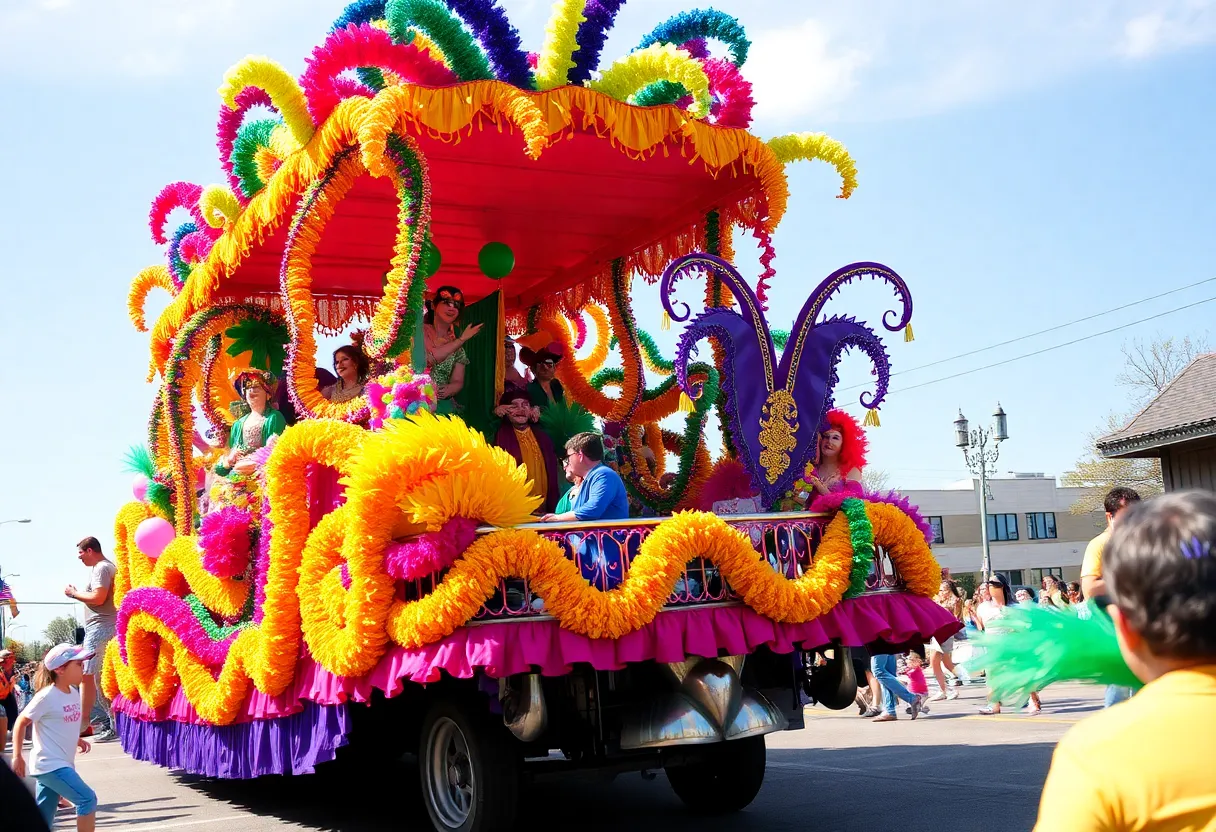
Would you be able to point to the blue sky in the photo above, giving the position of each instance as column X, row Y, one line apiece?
column 1020, row 168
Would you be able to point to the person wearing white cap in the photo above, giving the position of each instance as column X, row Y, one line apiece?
column 55, row 715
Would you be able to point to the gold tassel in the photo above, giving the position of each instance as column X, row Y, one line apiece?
column 686, row 405
column 666, row 324
column 908, row 336
column 872, row 419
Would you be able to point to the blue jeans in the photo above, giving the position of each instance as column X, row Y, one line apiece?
column 63, row 782
column 883, row 667
column 1116, row 694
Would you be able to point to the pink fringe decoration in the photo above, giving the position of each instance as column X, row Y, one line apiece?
column 732, row 94
column 230, row 122
column 365, row 45
column 197, row 245
column 533, row 59
column 175, row 195
column 176, row 614
column 224, row 538
column 830, row 503
column 581, row 325
column 431, row 552
column 729, row 480
column 767, row 254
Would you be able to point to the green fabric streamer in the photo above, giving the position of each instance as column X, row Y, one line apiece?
column 478, row 398
column 249, row 138
column 1030, row 647
column 660, row 92
column 861, row 534
column 444, row 28
column 265, row 341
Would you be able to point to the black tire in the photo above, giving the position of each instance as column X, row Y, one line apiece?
column 725, row 780
column 487, row 770
column 833, row 685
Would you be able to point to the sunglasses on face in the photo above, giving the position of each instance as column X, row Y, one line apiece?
column 548, row 362
column 452, row 302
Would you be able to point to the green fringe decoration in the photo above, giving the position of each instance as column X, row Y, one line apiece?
column 160, row 497
column 780, row 338
column 249, row 138
column 435, row 19
column 660, row 92
column 654, row 356
column 561, row 420
column 861, row 533
column 410, row 169
column 265, row 341
column 216, row 632
column 1031, row 647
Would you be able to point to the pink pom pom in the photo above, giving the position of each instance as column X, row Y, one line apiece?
column 176, row 195
column 224, row 538
column 153, row 535
column 729, row 480
column 364, row 45
column 139, row 488
column 431, row 552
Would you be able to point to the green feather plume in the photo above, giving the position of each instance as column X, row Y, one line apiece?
column 266, row 343
column 139, row 461
column 561, row 420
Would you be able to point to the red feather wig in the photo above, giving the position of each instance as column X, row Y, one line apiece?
column 854, row 444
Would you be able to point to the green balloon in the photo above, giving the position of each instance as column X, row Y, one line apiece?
column 496, row 260
column 429, row 259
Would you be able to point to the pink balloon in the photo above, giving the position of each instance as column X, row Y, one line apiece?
column 140, row 488
column 153, row 535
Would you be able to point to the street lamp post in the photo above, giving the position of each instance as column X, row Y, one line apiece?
column 980, row 460
column 2, row 522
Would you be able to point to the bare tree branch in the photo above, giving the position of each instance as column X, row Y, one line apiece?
column 1149, row 367
column 875, row 480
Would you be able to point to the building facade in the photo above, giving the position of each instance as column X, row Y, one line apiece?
column 1031, row 530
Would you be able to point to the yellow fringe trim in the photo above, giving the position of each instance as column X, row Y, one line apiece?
column 150, row 278
column 809, row 146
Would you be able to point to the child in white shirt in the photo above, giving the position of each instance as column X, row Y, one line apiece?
column 54, row 712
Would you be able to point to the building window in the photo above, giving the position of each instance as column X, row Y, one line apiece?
column 1002, row 527
column 1041, row 525
column 938, row 535
column 1037, row 575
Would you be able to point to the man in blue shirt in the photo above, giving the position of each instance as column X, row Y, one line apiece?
column 602, row 495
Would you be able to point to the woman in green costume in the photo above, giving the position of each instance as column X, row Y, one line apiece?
column 445, row 355
column 253, row 430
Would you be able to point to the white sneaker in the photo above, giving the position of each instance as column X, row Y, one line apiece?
column 940, row 695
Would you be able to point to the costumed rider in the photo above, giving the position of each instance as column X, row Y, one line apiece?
column 541, row 354
column 838, row 466
column 253, row 430
column 530, row 447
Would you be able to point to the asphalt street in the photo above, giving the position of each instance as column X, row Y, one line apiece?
column 950, row 769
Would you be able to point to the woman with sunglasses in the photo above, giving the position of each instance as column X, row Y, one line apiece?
column 445, row 355
column 1000, row 599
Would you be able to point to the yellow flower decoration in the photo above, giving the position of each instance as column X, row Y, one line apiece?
column 808, row 146
column 657, row 62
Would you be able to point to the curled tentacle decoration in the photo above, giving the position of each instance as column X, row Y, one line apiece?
column 767, row 254
column 652, row 356
column 364, row 46
column 732, row 94
column 702, row 23
column 197, row 245
column 230, row 121
column 592, row 32
column 250, row 139
column 179, row 267
column 358, row 13
column 809, row 146
column 498, row 38
column 599, row 352
column 150, row 278
column 660, row 92
column 215, row 390
column 657, row 62
column 556, row 57
column 219, row 206
column 283, row 89
column 443, row 27
column 776, row 406
column 176, row 195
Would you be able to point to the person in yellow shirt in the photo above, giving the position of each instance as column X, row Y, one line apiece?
column 1092, row 584
column 1147, row 763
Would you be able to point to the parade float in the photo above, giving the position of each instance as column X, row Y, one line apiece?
column 369, row 580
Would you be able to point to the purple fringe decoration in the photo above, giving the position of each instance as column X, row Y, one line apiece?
column 498, row 38
column 294, row 745
column 831, row 503
column 592, row 32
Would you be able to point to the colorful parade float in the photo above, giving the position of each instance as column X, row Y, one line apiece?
column 306, row 576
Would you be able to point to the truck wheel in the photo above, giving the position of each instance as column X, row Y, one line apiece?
column 470, row 769
column 725, row 780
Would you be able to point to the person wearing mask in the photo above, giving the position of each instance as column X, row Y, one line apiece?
column 445, row 354
column 1092, row 583
column 100, row 621
column 1146, row 764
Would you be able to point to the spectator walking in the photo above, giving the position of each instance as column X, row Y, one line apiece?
column 914, row 672
column 1147, row 763
column 1092, row 582
column 883, row 666
column 8, row 695
column 55, row 714
column 100, row 619
column 941, row 654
